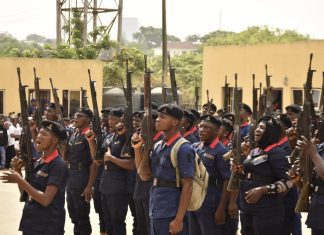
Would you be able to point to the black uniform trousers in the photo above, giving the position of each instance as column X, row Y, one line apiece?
column 143, row 217
column 251, row 226
column 97, row 206
column 79, row 211
column 114, row 207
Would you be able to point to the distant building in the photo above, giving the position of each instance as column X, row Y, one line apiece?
column 287, row 63
column 130, row 26
column 178, row 48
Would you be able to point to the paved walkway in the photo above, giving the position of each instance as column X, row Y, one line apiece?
column 11, row 208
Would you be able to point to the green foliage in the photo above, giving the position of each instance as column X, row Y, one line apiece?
column 193, row 38
column 251, row 36
column 36, row 38
column 115, row 70
column 150, row 37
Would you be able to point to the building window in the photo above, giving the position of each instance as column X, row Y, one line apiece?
column 74, row 102
column 1, row 101
column 45, row 96
column 297, row 96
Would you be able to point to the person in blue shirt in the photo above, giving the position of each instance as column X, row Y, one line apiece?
column 168, row 204
column 44, row 211
column 315, row 217
column 142, row 188
column 264, row 180
column 211, row 215
column 116, row 181
column 81, row 151
column 188, row 127
column 245, row 113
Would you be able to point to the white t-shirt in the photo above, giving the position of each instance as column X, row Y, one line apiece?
column 16, row 131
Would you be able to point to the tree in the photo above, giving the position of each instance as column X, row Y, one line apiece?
column 193, row 38
column 251, row 36
column 150, row 37
column 36, row 38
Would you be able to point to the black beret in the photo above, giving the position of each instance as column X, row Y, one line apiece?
column 211, row 119
column 284, row 120
column 294, row 108
column 85, row 111
column 106, row 110
column 117, row 112
column 212, row 107
column 55, row 128
column 246, row 108
column 269, row 120
column 52, row 106
column 228, row 125
column 230, row 117
column 189, row 116
column 138, row 114
column 154, row 106
column 195, row 113
column 171, row 110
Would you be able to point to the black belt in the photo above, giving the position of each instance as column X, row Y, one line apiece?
column 212, row 180
column 164, row 183
column 259, row 178
column 319, row 190
column 78, row 166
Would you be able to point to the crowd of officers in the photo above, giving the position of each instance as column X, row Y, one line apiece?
column 66, row 167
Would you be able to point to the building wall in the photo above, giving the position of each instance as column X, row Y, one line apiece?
column 287, row 63
column 67, row 74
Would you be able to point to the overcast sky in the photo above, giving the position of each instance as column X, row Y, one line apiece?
column 184, row 17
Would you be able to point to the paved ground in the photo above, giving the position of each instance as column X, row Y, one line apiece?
column 10, row 213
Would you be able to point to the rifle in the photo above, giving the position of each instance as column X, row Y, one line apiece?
column 269, row 108
column 305, row 164
column 262, row 102
column 235, row 152
column 57, row 104
column 128, row 116
column 254, row 113
column 146, row 131
column 308, row 93
column 174, row 89
column 84, row 99
column 25, row 148
column 226, row 96
column 96, row 125
column 196, row 95
column 38, row 115
column 322, row 99
column 207, row 93
column 320, row 132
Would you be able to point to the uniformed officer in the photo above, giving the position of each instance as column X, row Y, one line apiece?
column 142, row 188
column 245, row 113
column 96, row 191
column 197, row 117
column 82, row 148
column 188, row 127
column 207, row 219
column 225, row 132
column 44, row 211
column 168, row 204
column 316, row 209
column 115, row 183
column 50, row 112
column 264, row 180
column 212, row 109
column 293, row 111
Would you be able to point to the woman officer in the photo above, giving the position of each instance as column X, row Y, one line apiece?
column 44, row 211
column 264, row 179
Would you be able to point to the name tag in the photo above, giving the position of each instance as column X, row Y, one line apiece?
column 260, row 159
column 41, row 173
column 76, row 143
column 117, row 142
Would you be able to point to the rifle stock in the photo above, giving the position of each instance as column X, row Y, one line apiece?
column 38, row 115
column 25, row 148
column 146, row 132
column 235, row 152
column 96, row 125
